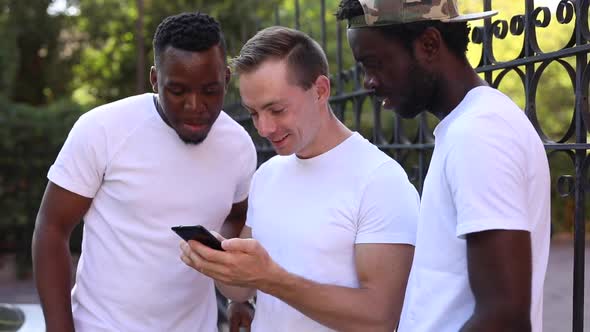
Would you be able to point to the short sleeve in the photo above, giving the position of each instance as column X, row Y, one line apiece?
column 389, row 207
column 81, row 163
column 249, row 160
column 485, row 170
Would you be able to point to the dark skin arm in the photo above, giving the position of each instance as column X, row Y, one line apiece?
column 235, row 220
column 500, row 273
column 240, row 314
column 60, row 211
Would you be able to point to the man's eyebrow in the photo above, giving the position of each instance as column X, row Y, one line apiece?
column 269, row 104
column 181, row 83
column 173, row 83
column 212, row 84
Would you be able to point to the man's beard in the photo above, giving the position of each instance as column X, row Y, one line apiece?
column 423, row 87
column 194, row 140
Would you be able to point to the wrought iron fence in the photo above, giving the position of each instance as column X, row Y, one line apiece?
column 391, row 134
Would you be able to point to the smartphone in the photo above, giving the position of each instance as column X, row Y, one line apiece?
column 198, row 233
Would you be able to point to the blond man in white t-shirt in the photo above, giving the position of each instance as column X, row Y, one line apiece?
column 332, row 218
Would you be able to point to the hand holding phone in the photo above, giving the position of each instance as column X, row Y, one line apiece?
column 198, row 233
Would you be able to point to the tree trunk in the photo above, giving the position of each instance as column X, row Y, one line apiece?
column 140, row 48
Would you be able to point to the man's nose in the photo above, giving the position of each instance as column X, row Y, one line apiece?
column 265, row 125
column 193, row 104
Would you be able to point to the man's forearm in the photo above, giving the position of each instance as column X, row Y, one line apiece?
column 498, row 321
column 52, row 265
column 340, row 308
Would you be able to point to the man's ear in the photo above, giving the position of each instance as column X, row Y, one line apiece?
column 322, row 87
column 227, row 76
column 427, row 46
column 154, row 79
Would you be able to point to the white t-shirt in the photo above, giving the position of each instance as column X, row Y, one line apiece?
column 488, row 171
column 144, row 179
column 309, row 214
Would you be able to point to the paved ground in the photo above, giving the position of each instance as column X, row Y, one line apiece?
column 558, row 302
column 558, row 286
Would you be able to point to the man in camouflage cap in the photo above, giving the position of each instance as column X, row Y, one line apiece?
column 386, row 12
column 483, row 231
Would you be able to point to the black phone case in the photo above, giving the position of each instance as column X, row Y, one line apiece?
column 198, row 233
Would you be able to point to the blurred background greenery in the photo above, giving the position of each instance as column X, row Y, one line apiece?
column 60, row 58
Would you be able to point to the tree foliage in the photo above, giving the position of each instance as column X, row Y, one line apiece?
column 89, row 55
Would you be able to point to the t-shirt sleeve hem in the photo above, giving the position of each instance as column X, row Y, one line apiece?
column 492, row 224
column 402, row 238
column 63, row 181
column 240, row 197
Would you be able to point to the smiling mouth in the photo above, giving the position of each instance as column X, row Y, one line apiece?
column 280, row 140
column 382, row 98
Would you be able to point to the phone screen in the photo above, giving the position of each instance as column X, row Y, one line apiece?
column 198, row 233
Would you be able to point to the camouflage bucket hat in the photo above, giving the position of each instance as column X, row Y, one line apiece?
column 389, row 12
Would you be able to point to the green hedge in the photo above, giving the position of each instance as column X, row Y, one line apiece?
column 30, row 138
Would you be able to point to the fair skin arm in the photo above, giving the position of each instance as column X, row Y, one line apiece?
column 375, row 305
column 239, row 314
column 60, row 211
column 237, row 293
column 500, row 272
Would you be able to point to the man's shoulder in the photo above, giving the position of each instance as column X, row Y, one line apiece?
column 276, row 167
column 490, row 115
column 225, row 125
column 116, row 121
column 489, row 108
column 229, row 135
column 367, row 157
column 117, row 111
column 274, row 163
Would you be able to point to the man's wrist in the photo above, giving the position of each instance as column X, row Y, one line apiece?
column 276, row 280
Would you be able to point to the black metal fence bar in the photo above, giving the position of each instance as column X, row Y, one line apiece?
column 581, row 105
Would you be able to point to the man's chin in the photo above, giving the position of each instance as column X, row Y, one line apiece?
column 193, row 141
column 283, row 151
column 193, row 138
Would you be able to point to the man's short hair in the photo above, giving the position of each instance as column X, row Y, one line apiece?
column 305, row 58
column 194, row 32
column 455, row 35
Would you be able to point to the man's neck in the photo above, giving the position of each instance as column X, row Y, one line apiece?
column 454, row 86
column 160, row 110
column 331, row 133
